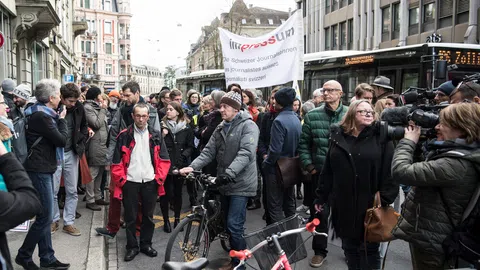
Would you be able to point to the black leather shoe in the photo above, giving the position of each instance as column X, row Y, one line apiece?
column 167, row 227
column 27, row 265
column 56, row 265
column 149, row 251
column 255, row 205
column 131, row 254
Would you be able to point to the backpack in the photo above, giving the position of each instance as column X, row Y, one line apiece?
column 464, row 242
column 19, row 140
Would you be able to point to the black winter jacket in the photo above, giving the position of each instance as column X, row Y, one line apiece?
column 265, row 132
column 442, row 188
column 80, row 133
column 20, row 203
column 179, row 145
column 43, row 158
column 212, row 120
column 352, row 174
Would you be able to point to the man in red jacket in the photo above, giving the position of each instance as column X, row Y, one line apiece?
column 139, row 167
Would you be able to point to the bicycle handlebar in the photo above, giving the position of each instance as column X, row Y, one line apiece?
column 311, row 225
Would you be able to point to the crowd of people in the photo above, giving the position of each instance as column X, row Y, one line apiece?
column 69, row 141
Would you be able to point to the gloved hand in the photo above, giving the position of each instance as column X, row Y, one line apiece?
column 224, row 179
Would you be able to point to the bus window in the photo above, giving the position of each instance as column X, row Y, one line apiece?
column 409, row 78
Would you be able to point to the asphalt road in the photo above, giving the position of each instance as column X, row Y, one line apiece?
column 398, row 257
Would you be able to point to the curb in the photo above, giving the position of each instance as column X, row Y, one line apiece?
column 96, row 248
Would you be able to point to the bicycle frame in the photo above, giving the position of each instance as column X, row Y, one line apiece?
column 282, row 262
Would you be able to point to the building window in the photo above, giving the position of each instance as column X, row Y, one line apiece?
column 85, row 3
column 343, row 3
column 108, row 48
column 107, row 5
column 343, row 36
column 445, row 14
column 82, row 46
column 350, row 2
column 350, row 34
column 258, row 21
column 304, row 8
column 428, row 17
column 94, row 68
column 327, row 39
column 282, row 21
column 270, row 21
column 88, row 48
column 396, row 20
column 386, row 24
column 108, row 69
column 334, row 5
column 38, row 62
column 334, row 37
column 244, row 21
column 413, row 21
column 462, row 11
column 108, row 28
column 327, row 6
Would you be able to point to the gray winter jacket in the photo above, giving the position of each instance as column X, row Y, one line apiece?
column 97, row 145
column 235, row 153
column 442, row 188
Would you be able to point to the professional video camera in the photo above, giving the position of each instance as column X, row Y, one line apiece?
column 414, row 95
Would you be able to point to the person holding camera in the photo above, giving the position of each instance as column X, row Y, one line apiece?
column 443, row 184
column 357, row 166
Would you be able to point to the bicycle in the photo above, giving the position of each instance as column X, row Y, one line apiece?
column 243, row 255
column 192, row 237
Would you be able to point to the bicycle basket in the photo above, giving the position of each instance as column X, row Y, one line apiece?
column 266, row 256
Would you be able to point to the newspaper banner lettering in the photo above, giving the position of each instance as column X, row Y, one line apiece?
column 272, row 59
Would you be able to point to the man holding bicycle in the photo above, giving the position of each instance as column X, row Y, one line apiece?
column 233, row 145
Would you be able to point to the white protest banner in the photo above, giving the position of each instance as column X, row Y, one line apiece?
column 272, row 59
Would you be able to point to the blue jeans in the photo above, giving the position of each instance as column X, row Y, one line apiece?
column 39, row 232
column 235, row 209
column 70, row 180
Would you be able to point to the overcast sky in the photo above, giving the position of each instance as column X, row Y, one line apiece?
column 162, row 30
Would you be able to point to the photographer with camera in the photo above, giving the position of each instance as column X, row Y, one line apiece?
column 442, row 185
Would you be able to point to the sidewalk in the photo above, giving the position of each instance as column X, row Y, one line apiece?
column 82, row 252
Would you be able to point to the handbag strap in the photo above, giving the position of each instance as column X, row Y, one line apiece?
column 377, row 203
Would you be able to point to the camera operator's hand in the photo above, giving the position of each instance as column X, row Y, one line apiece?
column 412, row 133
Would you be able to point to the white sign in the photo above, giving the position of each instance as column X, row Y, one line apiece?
column 272, row 59
column 22, row 227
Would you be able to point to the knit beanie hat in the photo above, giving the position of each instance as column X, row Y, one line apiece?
column 446, row 88
column 8, row 85
column 23, row 91
column 285, row 96
column 232, row 99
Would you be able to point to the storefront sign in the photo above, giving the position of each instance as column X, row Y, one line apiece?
column 434, row 38
column 272, row 59
column 460, row 57
column 365, row 59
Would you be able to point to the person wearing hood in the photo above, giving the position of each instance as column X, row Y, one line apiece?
column 178, row 136
column 443, row 184
column 8, row 86
column 286, row 131
column 97, row 147
column 233, row 144
column 443, row 92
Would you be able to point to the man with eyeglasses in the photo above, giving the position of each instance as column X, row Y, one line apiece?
column 313, row 150
column 443, row 92
column 466, row 92
column 122, row 119
column 139, row 167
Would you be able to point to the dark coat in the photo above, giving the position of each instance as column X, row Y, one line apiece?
column 286, row 131
column 43, row 158
column 212, row 120
column 20, row 203
column 265, row 132
column 351, row 176
column 179, row 145
column 442, row 188
column 80, row 132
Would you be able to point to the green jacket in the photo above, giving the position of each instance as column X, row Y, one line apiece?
column 315, row 134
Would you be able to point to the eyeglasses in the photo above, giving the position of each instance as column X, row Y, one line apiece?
column 329, row 90
column 365, row 112
column 140, row 116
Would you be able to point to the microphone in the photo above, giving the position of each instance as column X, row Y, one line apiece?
column 397, row 116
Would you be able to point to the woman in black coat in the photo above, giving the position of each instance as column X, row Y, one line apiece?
column 357, row 165
column 178, row 137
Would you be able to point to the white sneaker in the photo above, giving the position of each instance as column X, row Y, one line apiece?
column 302, row 208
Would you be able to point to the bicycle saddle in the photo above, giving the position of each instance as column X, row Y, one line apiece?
column 193, row 265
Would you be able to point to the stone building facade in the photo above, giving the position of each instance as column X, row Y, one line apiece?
column 149, row 78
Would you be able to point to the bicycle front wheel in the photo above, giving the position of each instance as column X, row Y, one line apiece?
column 183, row 245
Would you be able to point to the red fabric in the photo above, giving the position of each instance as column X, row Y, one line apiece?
column 119, row 170
column 114, row 213
column 85, row 171
column 253, row 112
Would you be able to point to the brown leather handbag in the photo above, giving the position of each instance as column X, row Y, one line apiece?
column 289, row 171
column 379, row 222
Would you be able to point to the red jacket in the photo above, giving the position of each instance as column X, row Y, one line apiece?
column 123, row 151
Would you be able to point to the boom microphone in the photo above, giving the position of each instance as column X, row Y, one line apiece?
column 397, row 116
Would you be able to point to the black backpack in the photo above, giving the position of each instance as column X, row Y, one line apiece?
column 464, row 242
column 19, row 140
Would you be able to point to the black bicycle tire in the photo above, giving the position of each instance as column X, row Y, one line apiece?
column 225, row 246
column 178, row 229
